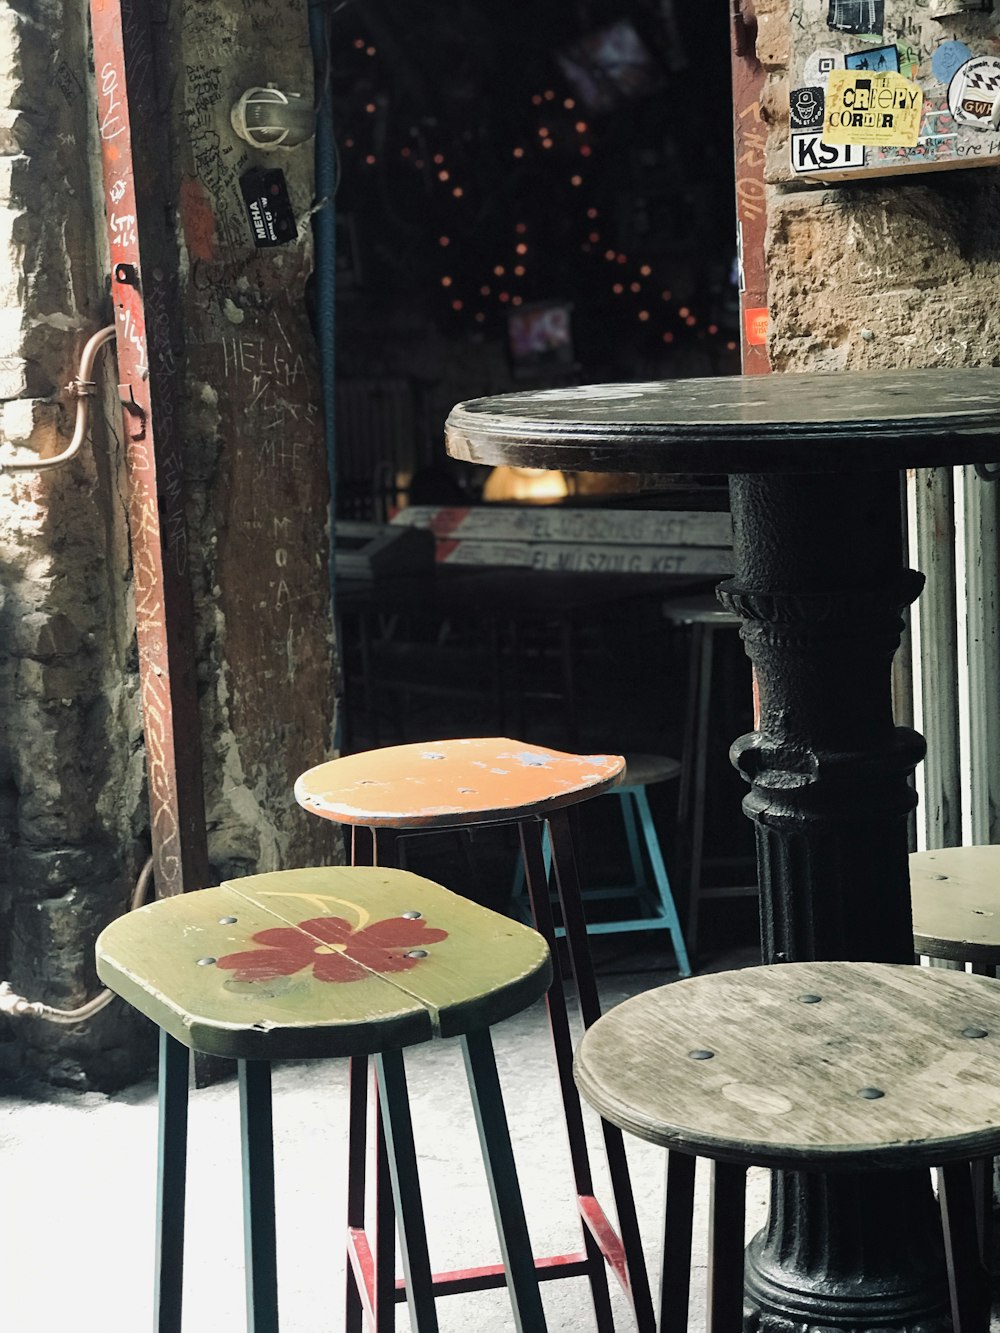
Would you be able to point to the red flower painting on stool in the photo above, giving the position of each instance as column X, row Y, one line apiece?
column 334, row 949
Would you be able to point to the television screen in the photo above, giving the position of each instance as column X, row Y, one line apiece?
column 540, row 335
column 608, row 65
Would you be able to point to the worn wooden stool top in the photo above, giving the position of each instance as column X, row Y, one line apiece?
column 956, row 903
column 444, row 784
column 321, row 962
column 802, row 1065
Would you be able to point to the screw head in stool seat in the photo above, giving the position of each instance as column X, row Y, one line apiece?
column 805, row 1065
column 321, row 962
column 444, row 784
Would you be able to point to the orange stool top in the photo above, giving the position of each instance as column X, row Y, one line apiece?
column 449, row 783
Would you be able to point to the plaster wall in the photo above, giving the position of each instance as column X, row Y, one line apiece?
column 74, row 821
column 879, row 274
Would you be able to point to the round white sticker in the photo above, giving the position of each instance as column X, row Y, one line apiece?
column 974, row 93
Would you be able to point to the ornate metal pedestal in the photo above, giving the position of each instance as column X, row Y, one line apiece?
column 820, row 584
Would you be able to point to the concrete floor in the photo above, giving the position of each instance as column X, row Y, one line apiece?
column 77, row 1180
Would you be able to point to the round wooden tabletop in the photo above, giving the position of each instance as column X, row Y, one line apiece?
column 822, row 1065
column 956, row 904
column 768, row 423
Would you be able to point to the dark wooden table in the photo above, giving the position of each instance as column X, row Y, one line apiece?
column 821, row 582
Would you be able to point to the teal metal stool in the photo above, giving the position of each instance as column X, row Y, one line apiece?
column 321, row 963
column 649, row 886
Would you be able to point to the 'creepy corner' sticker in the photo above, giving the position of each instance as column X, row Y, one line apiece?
column 864, row 107
column 974, row 93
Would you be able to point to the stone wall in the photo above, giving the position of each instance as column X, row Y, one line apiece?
column 74, row 821
column 878, row 274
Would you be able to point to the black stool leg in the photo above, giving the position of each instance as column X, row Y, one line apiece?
column 967, row 1279
column 395, row 1109
column 171, row 1179
column 678, row 1219
column 258, row 1196
column 357, row 1125
column 505, row 1192
column 575, row 925
column 385, row 1229
column 537, row 884
column 727, row 1242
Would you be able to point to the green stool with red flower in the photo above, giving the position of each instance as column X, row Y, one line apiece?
column 312, row 964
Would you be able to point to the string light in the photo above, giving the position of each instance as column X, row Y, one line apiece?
column 521, row 228
column 499, row 270
column 446, row 281
column 520, row 271
column 585, row 150
column 668, row 337
column 576, row 180
column 480, row 317
column 592, row 213
column 456, row 305
column 645, row 270
column 519, row 152
column 549, row 95
column 516, row 300
column 610, row 256
column 370, row 159
column 359, row 43
column 521, row 248
column 369, row 50
column 504, row 296
column 618, row 289
column 635, row 286
column 370, row 108
column 444, row 175
column 594, row 237
column 581, row 127
column 569, row 104
column 444, row 241
column 485, row 291
column 546, row 143
column 438, row 159
column 643, row 315
column 458, row 192
column 684, row 312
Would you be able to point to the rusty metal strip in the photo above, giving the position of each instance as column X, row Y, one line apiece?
column 750, row 133
column 134, row 154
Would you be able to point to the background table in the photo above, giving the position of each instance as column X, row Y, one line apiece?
column 820, row 585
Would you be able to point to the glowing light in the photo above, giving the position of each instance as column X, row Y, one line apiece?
column 645, row 270
column 521, row 228
column 668, row 337
column 546, row 143
column 359, row 43
column 485, row 291
column 348, row 143
column 542, row 132
column 618, row 289
column 623, row 259
column 591, row 212
column 444, row 240
column 480, row 317
column 370, row 159
column 549, row 95
column 446, row 281
column 405, row 152
column 536, row 100
column 521, row 248
column 519, row 152
column 585, row 150
column 713, row 329
column 581, row 127
column 370, row 108
column 594, row 237
column 576, row 180
column 456, row 305
column 609, row 255
column 520, row 271
column 369, row 50
column 730, row 347
column 635, row 286
column 458, row 192
column 690, row 321
column 444, row 175
column 643, row 315
column 516, row 300
column 524, row 483
column 504, row 296
column 438, row 158
column 684, row 312
column 665, row 296
column 499, row 270
column 569, row 104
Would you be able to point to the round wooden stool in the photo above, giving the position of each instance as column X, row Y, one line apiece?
column 311, row 964
column 649, row 888
column 955, row 894
column 384, row 794
column 811, row 1067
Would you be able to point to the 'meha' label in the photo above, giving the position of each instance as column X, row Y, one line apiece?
column 867, row 108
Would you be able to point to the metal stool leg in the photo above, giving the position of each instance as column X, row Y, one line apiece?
column 395, row 1114
column 568, row 887
column 258, row 1196
column 562, row 1043
column 360, row 1263
column 171, row 1179
column 678, row 1219
column 505, row 1192
column 704, row 640
column 628, row 808
column 661, row 880
column 727, row 1241
column 967, row 1278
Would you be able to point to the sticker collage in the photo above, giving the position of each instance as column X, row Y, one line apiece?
column 886, row 86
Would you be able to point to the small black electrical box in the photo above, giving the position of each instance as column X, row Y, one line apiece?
column 269, row 208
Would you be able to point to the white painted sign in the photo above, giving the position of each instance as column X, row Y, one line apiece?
column 810, row 153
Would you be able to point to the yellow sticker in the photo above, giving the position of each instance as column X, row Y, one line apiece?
column 867, row 108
